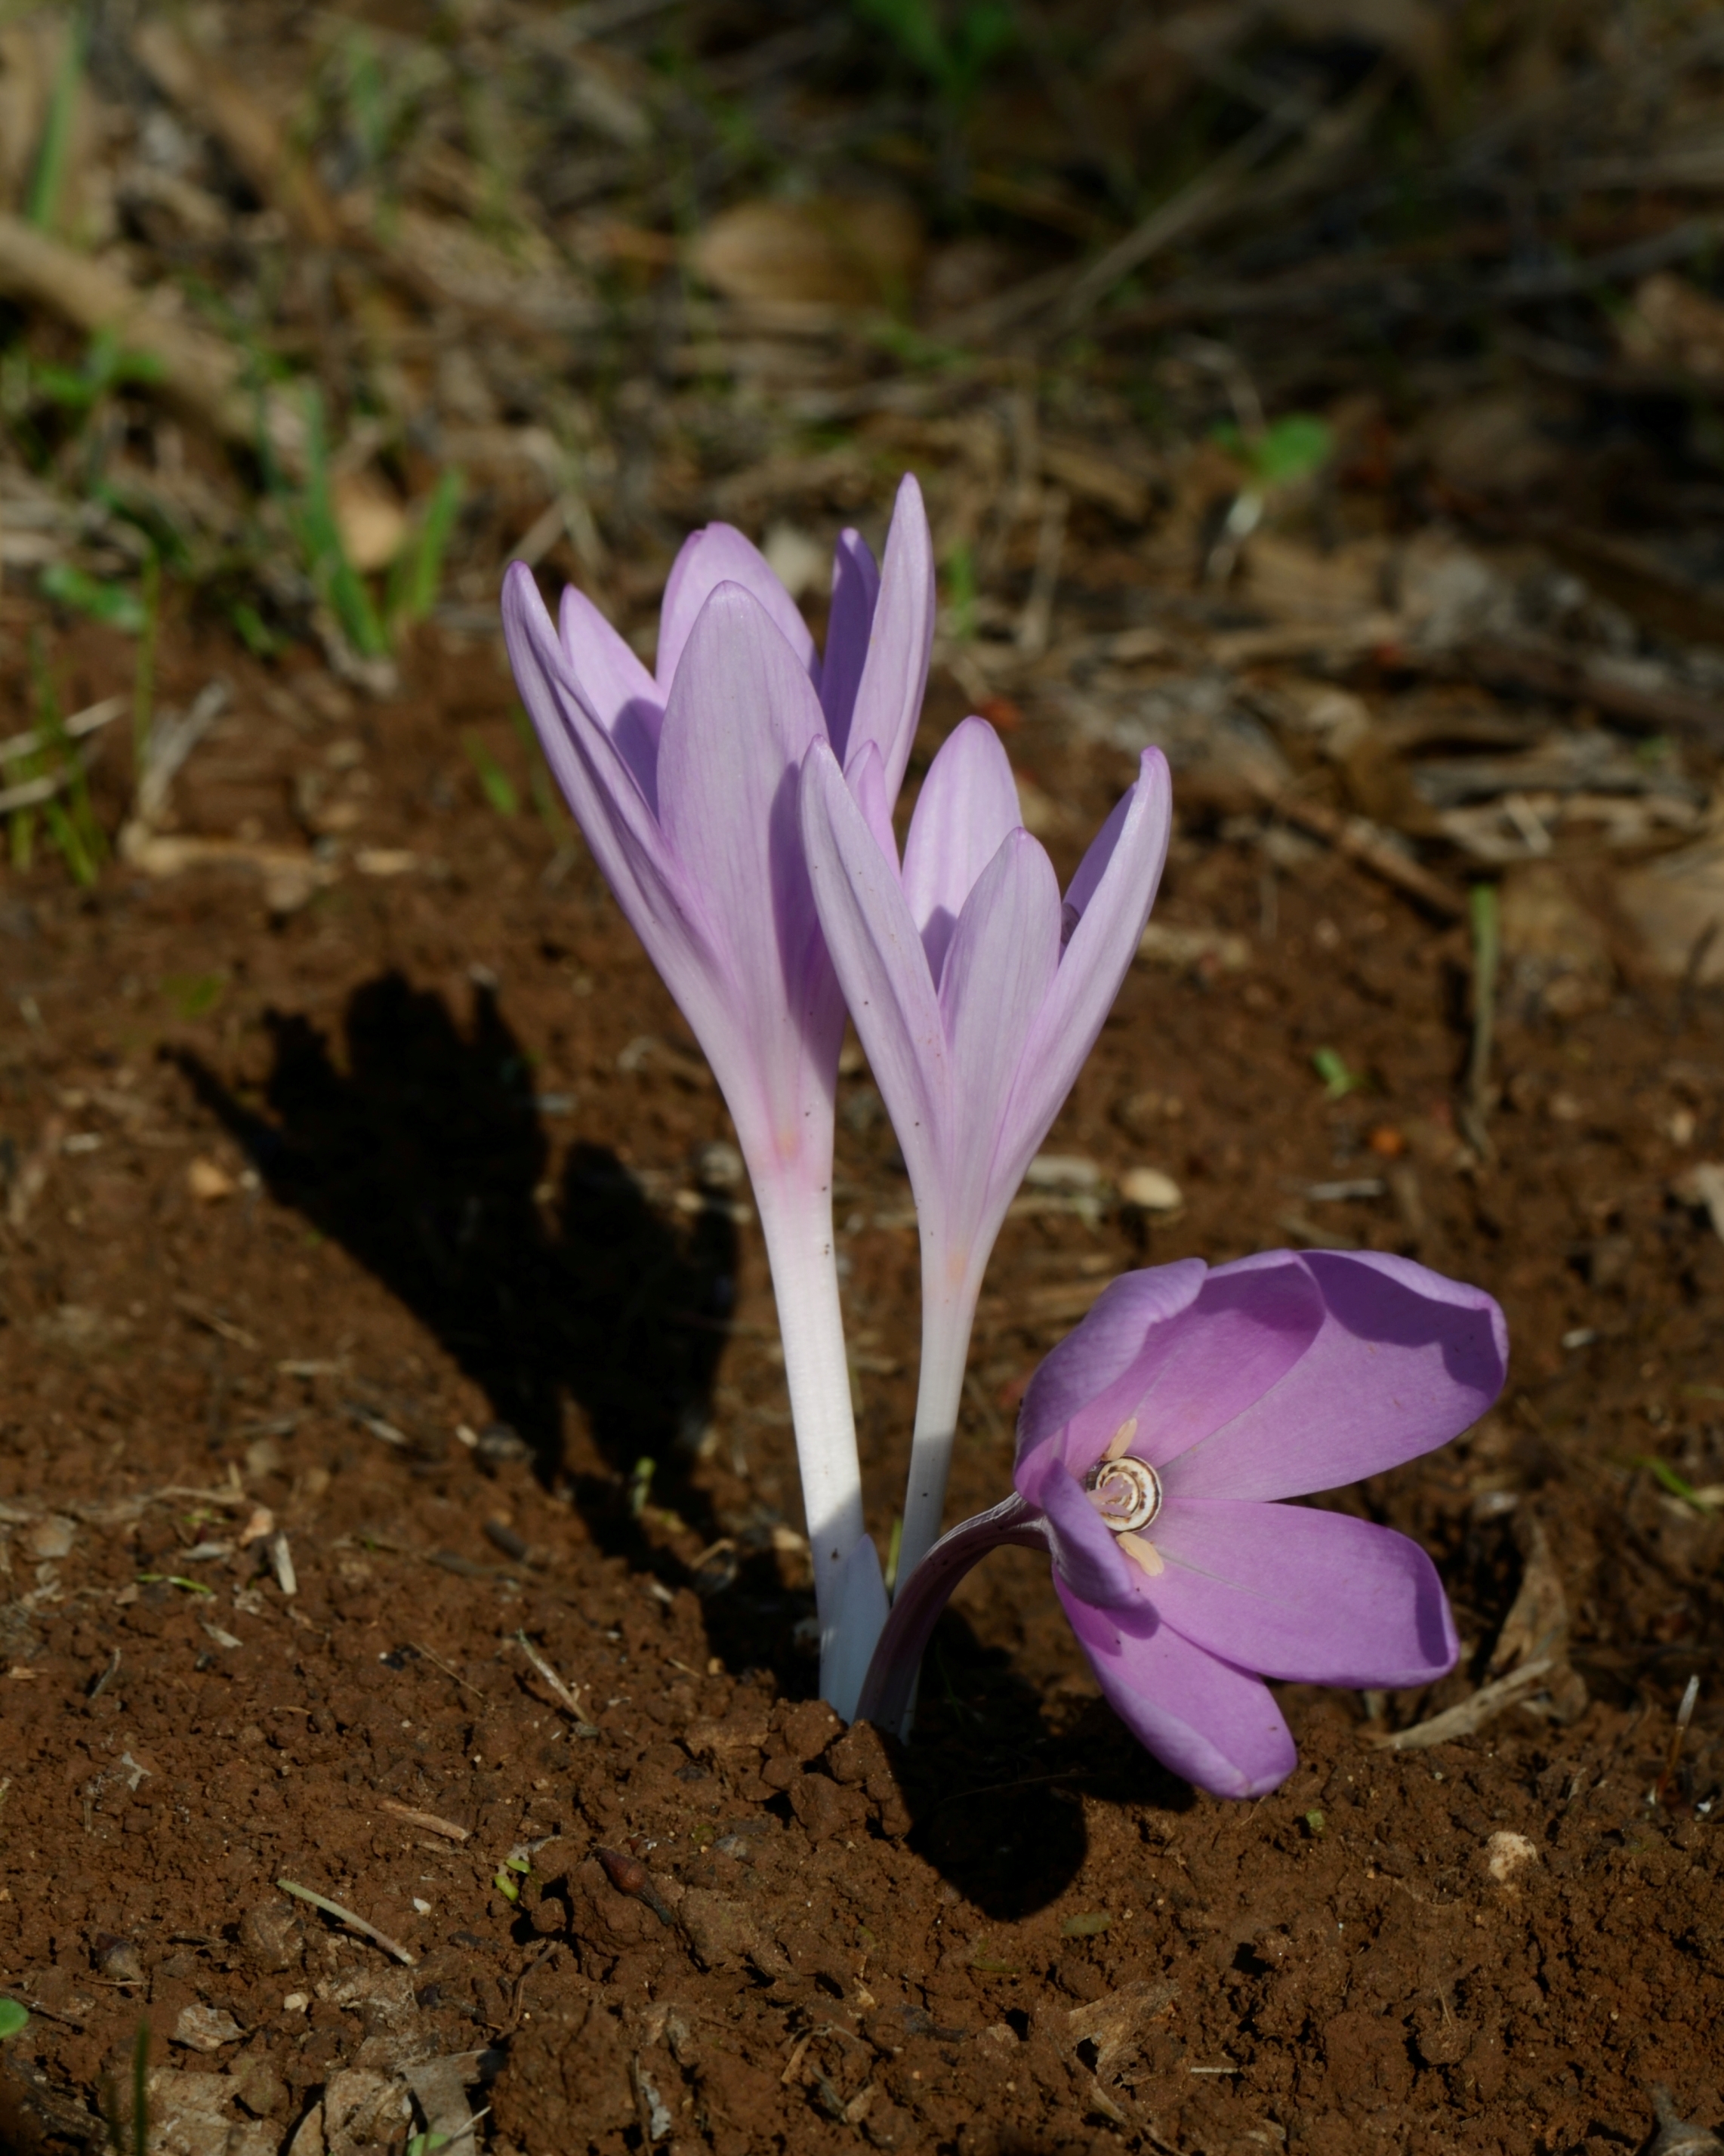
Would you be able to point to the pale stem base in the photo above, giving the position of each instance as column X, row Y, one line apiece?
column 940, row 1386
column 796, row 1225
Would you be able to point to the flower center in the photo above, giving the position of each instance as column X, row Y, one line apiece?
column 1127, row 1492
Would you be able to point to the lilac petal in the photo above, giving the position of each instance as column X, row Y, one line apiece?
column 1218, row 1727
column 615, row 820
column 998, row 969
column 889, row 699
column 1097, row 954
column 1317, row 1597
column 879, row 959
column 720, row 555
column 967, row 804
column 616, row 687
column 1087, row 1555
column 1247, row 1328
column 1111, row 1337
column 1405, row 1361
column 741, row 717
column 855, row 587
column 867, row 782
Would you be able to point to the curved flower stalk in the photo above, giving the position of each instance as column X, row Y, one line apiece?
column 684, row 783
column 976, row 995
column 1152, row 1445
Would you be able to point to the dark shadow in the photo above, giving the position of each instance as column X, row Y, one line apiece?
column 420, row 1150
column 995, row 1793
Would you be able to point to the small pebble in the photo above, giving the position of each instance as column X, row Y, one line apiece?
column 208, row 1183
column 1062, row 1171
column 50, row 1538
column 1508, row 1854
column 205, row 2028
column 118, row 1959
column 1151, row 1191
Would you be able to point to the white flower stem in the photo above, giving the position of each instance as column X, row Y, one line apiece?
column 946, row 1322
column 795, row 1221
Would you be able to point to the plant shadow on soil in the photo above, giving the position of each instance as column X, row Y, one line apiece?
column 419, row 1148
column 416, row 1144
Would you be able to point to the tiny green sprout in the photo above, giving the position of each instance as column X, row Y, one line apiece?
column 521, row 1864
column 505, row 1886
column 1287, row 450
column 1085, row 1925
column 1314, row 1823
column 13, row 2017
column 173, row 1579
column 640, row 1485
column 494, row 783
column 1667, row 1478
column 116, row 606
column 1338, row 1081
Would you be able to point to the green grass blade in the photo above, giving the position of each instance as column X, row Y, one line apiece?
column 48, row 181
column 416, row 576
column 499, row 787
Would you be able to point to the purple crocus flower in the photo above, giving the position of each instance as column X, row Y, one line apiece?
column 1152, row 1447
column 684, row 783
column 976, row 995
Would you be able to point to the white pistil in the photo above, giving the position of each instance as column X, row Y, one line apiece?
column 1144, row 1553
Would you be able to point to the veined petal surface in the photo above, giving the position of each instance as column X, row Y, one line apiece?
column 888, row 697
column 1215, row 1724
column 1405, row 1360
column 1087, row 1362
column 604, row 793
column 967, row 806
column 855, row 589
column 1098, row 951
column 1247, row 1327
column 878, row 956
column 618, row 689
column 741, row 717
column 1316, row 1597
column 720, row 555
column 995, row 978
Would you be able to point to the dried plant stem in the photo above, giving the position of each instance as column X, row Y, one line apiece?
column 347, row 1917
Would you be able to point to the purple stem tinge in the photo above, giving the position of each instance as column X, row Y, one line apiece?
column 889, row 1686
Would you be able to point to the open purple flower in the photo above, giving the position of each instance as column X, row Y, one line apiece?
column 684, row 786
column 1152, row 1445
column 977, row 994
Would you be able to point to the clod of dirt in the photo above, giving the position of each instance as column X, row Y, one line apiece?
column 1115, row 2024
column 360, row 2111
column 193, row 2115
column 724, row 1934
column 272, row 1937
column 1507, row 1855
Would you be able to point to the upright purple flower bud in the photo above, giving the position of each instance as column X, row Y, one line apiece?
column 684, row 786
column 977, row 994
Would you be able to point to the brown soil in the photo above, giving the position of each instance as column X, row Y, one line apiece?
column 452, row 1280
